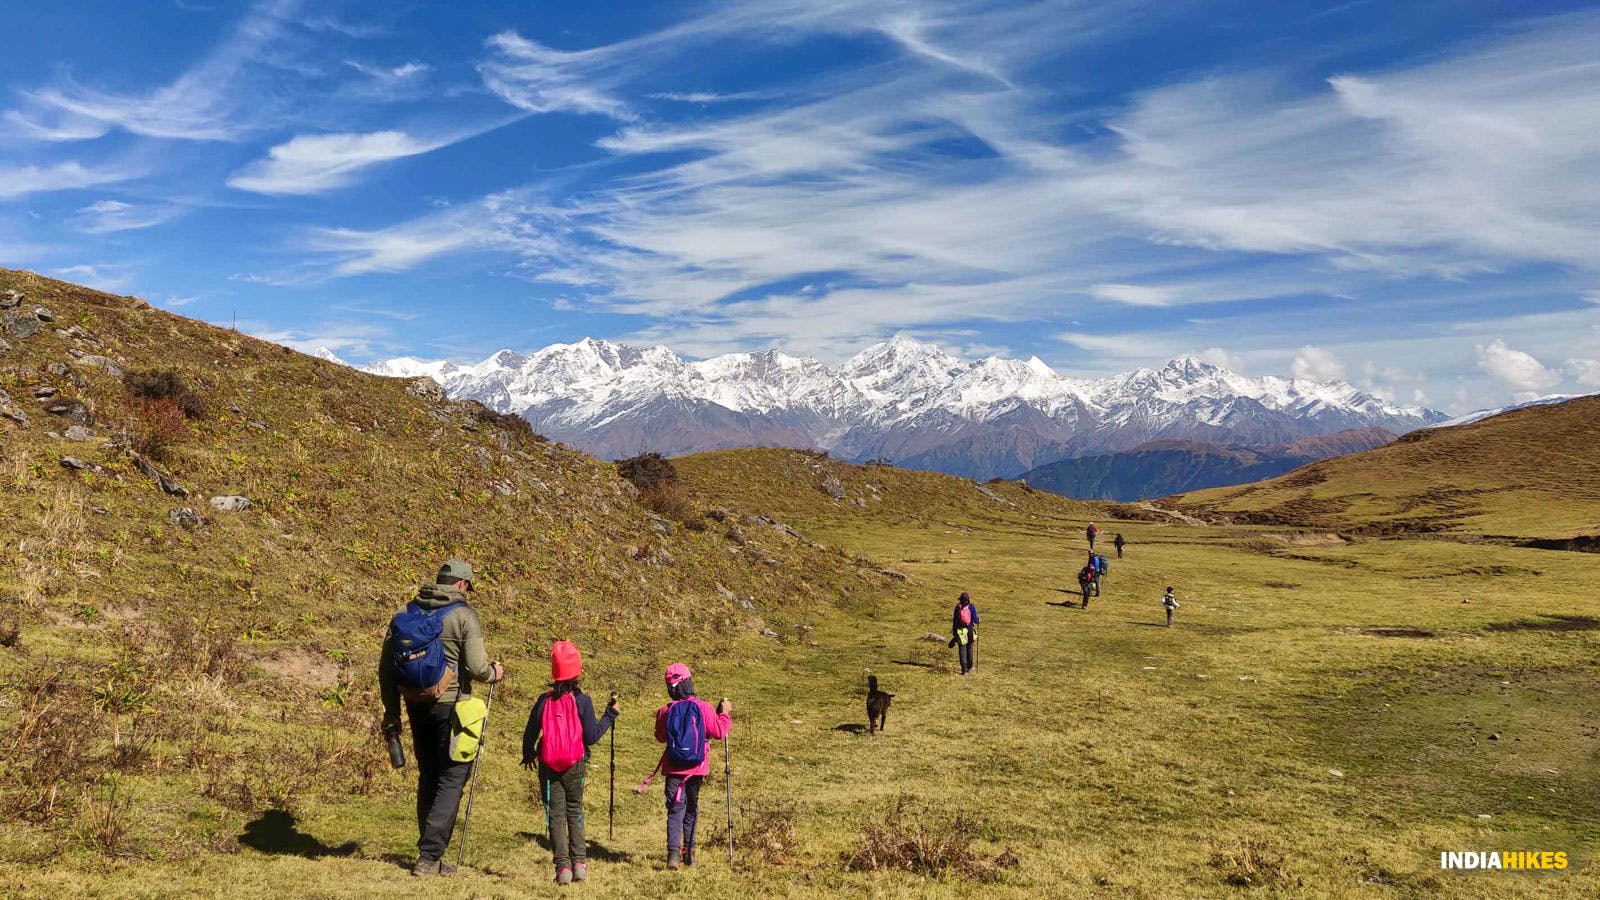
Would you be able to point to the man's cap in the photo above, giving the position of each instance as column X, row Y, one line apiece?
column 454, row 569
column 676, row 673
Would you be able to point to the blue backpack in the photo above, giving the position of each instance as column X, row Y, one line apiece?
column 686, row 734
column 1102, row 565
column 419, row 660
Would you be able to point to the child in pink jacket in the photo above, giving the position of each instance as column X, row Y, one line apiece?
column 686, row 726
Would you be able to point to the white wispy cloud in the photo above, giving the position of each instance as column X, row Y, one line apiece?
column 107, row 216
column 313, row 163
column 108, row 277
column 20, row 181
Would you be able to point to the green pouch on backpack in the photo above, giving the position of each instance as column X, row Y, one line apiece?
column 466, row 729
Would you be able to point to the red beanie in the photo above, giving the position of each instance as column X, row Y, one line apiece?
column 565, row 663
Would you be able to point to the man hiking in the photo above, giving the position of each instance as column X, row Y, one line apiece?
column 1098, row 566
column 431, row 656
column 1171, row 603
column 964, row 632
column 686, row 725
column 556, row 744
column 1085, row 584
column 1091, row 531
column 1118, row 543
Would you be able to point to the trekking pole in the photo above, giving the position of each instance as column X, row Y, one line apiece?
column 472, row 789
column 611, row 814
column 727, row 784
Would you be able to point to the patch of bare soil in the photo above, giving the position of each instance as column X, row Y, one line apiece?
column 301, row 666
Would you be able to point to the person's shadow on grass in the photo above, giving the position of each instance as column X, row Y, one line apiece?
column 851, row 728
column 276, row 832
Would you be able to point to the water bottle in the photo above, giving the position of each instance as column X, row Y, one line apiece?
column 397, row 752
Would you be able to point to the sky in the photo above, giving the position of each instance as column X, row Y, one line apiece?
column 1403, row 195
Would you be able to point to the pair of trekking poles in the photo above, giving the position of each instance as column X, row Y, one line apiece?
column 611, row 813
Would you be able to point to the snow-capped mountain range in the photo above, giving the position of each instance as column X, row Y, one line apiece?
column 905, row 400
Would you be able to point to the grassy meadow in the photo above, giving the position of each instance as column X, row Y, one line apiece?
column 191, row 711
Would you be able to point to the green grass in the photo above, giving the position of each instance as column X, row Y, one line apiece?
column 1275, row 737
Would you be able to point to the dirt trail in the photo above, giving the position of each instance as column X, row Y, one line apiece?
column 1181, row 517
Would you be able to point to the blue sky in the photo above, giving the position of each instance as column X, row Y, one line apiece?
column 1404, row 195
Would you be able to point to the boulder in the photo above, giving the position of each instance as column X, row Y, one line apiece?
column 162, row 480
column 20, row 325
column 231, row 503
column 79, row 434
column 11, row 299
column 100, row 362
column 427, row 389
column 72, row 410
column 185, row 517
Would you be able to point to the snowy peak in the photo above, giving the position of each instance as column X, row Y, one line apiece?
column 903, row 398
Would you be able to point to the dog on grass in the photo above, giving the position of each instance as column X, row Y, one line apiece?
column 877, row 706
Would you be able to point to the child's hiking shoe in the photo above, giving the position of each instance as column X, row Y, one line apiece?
column 580, row 871
column 674, row 860
column 427, row 868
column 688, row 856
column 564, row 876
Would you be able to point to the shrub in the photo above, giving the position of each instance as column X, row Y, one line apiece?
column 159, row 426
column 880, row 461
column 669, row 500
column 10, row 632
column 50, row 760
column 648, row 471
column 1253, row 863
column 764, row 830
column 161, row 384
column 913, row 838
column 514, row 425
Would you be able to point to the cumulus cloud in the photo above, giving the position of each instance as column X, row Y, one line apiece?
column 1515, row 369
column 1585, row 371
column 1317, row 364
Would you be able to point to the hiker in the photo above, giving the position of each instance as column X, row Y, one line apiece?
column 431, row 656
column 556, row 744
column 1085, row 584
column 686, row 725
column 1091, row 531
column 964, row 632
column 1118, row 543
column 1171, row 603
column 1102, row 567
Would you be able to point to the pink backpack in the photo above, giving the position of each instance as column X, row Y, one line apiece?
column 561, row 746
column 966, row 615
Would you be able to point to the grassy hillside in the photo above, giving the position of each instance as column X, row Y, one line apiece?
column 1527, row 474
column 190, row 710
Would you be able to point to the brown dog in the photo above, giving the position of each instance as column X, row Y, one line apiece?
column 877, row 706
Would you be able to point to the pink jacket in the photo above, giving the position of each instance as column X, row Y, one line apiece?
column 717, row 725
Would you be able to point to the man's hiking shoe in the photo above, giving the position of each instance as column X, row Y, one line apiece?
column 431, row 867
column 688, row 856
column 580, row 872
column 674, row 860
column 564, row 876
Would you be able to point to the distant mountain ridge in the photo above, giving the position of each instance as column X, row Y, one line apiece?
column 1165, row 467
column 904, row 400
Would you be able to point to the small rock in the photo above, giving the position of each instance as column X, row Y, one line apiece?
column 4, row 347
column 79, row 434
column 185, row 517
column 1485, row 816
column 746, row 604
column 427, row 389
column 932, row 638
column 1495, row 736
column 954, row 551
column 72, row 462
column 859, row 502
column 100, row 510
column 58, row 370
column 43, row 393
column 1336, row 773
column 769, row 633
column 11, row 299
column 44, row 314
column 162, row 480
column 231, row 503
column 661, row 527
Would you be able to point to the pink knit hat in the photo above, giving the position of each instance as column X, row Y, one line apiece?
column 676, row 673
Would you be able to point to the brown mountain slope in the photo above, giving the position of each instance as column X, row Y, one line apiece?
column 1531, row 473
column 151, row 640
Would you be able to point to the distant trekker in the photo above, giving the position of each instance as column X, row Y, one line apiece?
column 1091, row 531
column 556, row 744
column 1118, row 544
column 431, row 656
column 1098, row 566
column 1171, row 603
column 1085, row 584
column 964, row 632
column 686, row 725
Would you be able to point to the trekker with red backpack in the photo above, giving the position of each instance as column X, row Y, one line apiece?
column 686, row 725
column 556, row 744
column 964, row 632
